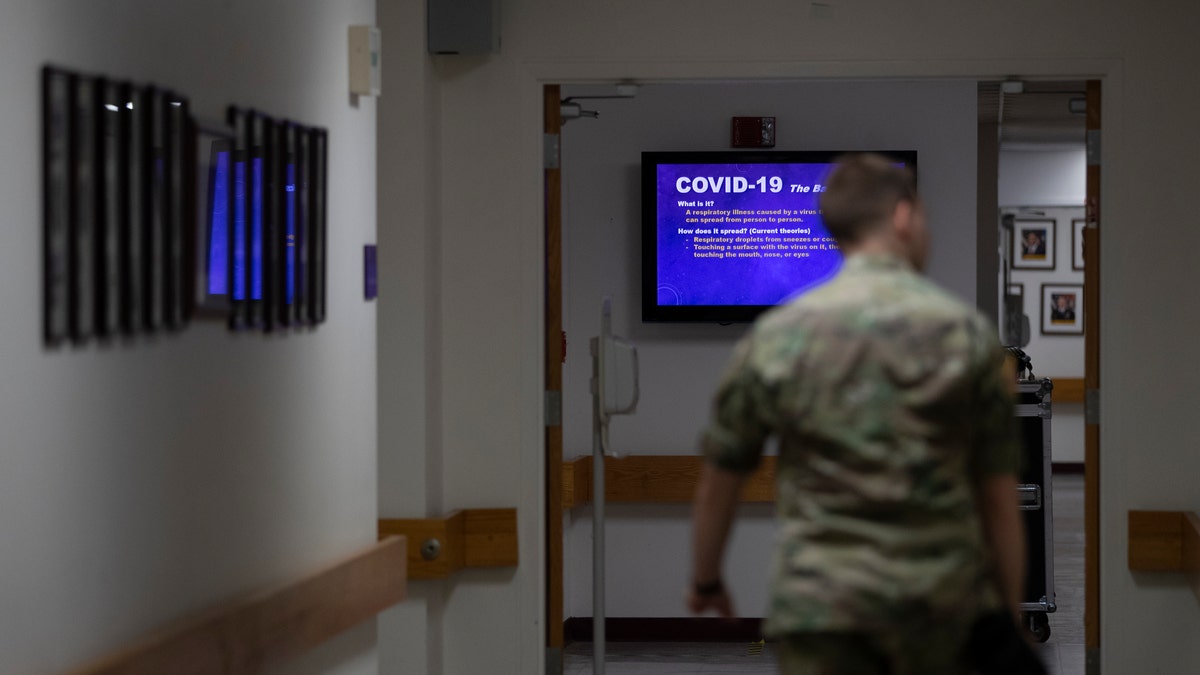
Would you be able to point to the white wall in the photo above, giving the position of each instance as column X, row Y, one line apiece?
column 1050, row 183
column 1042, row 176
column 488, row 190
column 680, row 363
column 410, row 354
column 146, row 479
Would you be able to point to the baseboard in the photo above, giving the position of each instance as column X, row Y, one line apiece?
column 1067, row 468
column 677, row 629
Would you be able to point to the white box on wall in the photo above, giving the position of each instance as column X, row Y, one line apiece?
column 365, row 79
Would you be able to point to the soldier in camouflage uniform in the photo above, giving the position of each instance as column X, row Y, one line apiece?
column 897, row 462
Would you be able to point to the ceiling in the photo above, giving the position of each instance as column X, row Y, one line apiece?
column 1040, row 115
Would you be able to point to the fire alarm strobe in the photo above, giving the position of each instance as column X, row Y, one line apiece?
column 753, row 132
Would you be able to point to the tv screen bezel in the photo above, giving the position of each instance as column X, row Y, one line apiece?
column 652, row 312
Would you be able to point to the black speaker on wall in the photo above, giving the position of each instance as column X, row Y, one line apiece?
column 464, row 26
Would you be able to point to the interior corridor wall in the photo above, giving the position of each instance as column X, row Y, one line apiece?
column 145, row 479
column 680, row 363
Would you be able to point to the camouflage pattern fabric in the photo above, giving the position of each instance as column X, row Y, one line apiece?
column 938, row 652
column 889, row 400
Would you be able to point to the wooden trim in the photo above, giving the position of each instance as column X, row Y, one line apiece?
column 1068, row 390
column 265, row 629
column 670, row 629
column 470, row 538
column 1166, row 541
column 576, row 482
column 1191, row 550
column 1068, row 468
column 655, row 479
column 1091, row 348
column 555, row 343
column 672, row 479
column 1156, row 541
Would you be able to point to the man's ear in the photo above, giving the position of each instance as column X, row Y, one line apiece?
column 902, row 218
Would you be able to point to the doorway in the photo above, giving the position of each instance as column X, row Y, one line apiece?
column 695, row 344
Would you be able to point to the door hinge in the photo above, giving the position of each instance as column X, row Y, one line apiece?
column 553, row 408
column 550, row 148
column 1093, row 147
column 1091, row 406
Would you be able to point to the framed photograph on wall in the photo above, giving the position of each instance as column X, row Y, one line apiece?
column 286, row 241
column 238, row 267
column 272, row 189
column 176, row 303
column 112, row 213
column 155, row 219
column 1033, row 244
column 1062, row 309
column 82, row 230
column 318, row 243
column 56, row 202
column 133, row 279
column 303, row 226
column 213, row 213
column 256, row 210
column 1077, row 226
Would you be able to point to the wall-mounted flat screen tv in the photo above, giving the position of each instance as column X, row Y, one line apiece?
column 728, row 235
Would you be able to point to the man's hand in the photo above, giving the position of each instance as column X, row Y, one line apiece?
column 718, row 601
column 712, row 516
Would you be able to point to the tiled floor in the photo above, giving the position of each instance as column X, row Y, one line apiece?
column 1063, row 652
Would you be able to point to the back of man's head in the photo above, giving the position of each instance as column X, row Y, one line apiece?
column 861, row 194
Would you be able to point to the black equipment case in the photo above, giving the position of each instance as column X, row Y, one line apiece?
column 1033, row 412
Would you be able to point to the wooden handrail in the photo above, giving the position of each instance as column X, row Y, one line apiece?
column 250, row 634
column 469, row 538
column 656, row 479
column 1067, row 390
column 1166, row 541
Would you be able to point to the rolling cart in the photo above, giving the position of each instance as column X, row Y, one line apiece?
column 1033, row 411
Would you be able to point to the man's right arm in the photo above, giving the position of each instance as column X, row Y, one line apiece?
column 997, row 460
column 1004, row 532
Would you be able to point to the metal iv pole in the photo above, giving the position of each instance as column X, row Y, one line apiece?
column 598, row 636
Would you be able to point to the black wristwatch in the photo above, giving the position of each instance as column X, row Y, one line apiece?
column 709, row 588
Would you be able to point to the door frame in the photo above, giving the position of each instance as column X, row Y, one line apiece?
column 538, row 74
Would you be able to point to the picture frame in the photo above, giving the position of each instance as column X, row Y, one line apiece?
column 1077, row 227
column 1033, row 243
column 303, row 226
column 257, row 203
column 288, row 210
column 155, row 218
column 113, row 193
column 238, row 238
column 82, row 226
column 133, row 229
column 56, row 203
column 278, row 223
column 215, row 145
column 1062, row 309
column 319, row 228
column 271, row 232
column 176, row 300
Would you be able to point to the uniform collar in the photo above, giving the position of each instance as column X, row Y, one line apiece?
column 876, row 262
